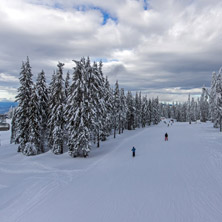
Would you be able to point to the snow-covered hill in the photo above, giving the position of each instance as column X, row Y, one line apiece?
column 178, row 180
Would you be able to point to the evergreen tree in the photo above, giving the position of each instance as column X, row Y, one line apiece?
column 183, row 112
column 23, row 111
column 42, row 107
column 156, row 113
column 52, row 103
column 122, row 120
column 204, row 107
column 98, row 107
column 79, row 116
column 14, row 127
column 106, row 106
column 189, row 110
column 218, row 101
column 116, row 108
column 33, row 145
column 108, row 98
column 57, row 120
column 212, row 101
column 67, row 85
column 144, row 111
column 130, row 114
column 138, row 104
column 178, row 112
column 150, row 113
column 173, row 111
column 198, row 109
column 192, row 110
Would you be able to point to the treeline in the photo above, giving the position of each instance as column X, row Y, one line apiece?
column 206, row 108
column 189, row 111
column 76, row 112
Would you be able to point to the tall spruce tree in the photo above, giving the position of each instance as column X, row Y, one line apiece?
column 122, row 119
column 204, row 107
column 43, row 102
column 156, row 111
column 98, row 107
column 218, row 101
column 79, row 116
column 33, row 145
column 108, row 97
column 23, row 110
column 189, row 110
column 67, row 85
column 144, row 111
column 116, row 108
column 57, row 120
column 130, row 114
column 149, row 113
column 51, row 103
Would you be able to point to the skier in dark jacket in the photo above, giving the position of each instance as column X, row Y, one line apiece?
column 134, row 151
column 166, row 137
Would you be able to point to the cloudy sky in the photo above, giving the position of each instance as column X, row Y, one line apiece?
column 165, row 48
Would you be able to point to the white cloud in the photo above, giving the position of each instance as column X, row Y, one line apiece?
column 7, row 78
column 7, row 93
column 172, row 45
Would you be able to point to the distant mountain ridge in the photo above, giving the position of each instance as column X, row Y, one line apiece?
column 5, row 106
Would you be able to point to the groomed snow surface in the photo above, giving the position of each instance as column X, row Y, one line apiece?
column 178, row 180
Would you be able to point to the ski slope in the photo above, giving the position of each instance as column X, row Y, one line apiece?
column 173, row 181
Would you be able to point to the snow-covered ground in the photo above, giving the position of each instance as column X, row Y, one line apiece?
column 178, row 180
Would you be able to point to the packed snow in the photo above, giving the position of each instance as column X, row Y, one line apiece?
column 167, row 181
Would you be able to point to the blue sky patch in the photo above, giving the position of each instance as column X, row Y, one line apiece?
column 145, row 5
column 106, row 15
column 58, row 6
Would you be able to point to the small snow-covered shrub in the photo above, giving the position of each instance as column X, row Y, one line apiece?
column 30, row 149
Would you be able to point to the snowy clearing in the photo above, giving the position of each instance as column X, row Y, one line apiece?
column 177, row 180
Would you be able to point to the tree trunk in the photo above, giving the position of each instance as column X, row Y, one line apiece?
column 220, row 124
column 98, row 139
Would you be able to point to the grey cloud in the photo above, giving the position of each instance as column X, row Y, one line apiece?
column 173, row 44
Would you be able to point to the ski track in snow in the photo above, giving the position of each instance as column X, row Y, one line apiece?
column 177, row 180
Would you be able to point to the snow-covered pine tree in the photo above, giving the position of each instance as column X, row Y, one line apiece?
column 212, row 100
column 204, row 107
column 43, row 102
column 52, row 86
column 51, row 104
column 178, row 112
column 57, row 120
column 96, row 86
column 116, row 108
column 23, row 110
column 108, row 97
column 189, row 110
column 192, row 110
column 122, row 110
column 168, row 111
column 67, row 85
column 218, row 101
column 183, row 112
column 150, row 113
column 13, row 127
column 79, row 116
column 144, row 111
column 173, row 113
column 197, row 108
column 156, row 113
column 33, row 145
column 130, row 114
column 138, row 103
